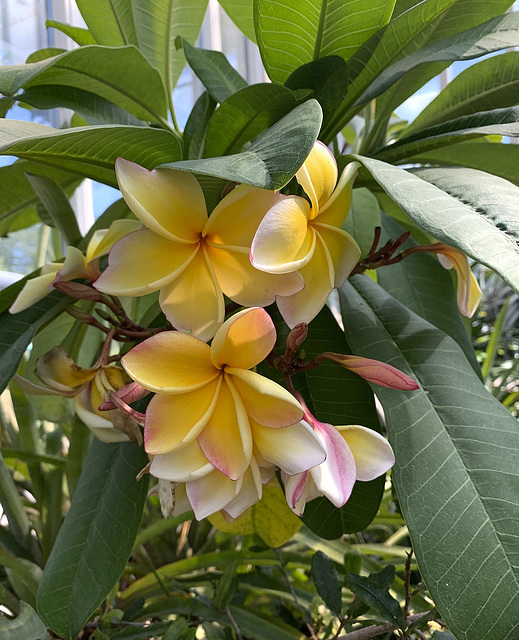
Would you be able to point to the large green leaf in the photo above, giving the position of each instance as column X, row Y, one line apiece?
column 77, row 34
column 120, row 75
column 490, row 84
column 241, row 13
column 96, row 538
column 26, row 626
column 273, row 158
column 109, row 21
column 244, row 115
column 456, row 449
column 88, row 151
column 498, row 33
column 158, row 23
column 317, row 29
column 197, row 125
column 484, row 228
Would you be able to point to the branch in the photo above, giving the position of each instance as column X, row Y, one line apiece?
column 379, row 629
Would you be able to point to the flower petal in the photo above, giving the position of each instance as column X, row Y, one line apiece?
column 250, row 491
column 336, row 209
column 100, row 426
column 182, row 465
column 35, row 290
column 170, row 362
column 283, row 242
column 469, row 293
column 75, row 266
column 235, row 219
column 293, row 449
column 246, row 285
column 265, row 401
column 57, row 370
column 344, row 251
column 102, row 240
column 193, row 301
column 211, row 493
column 175, row 420
column 336, row 476
column 319, row 279
column 299, row 490
column 244, row 340
column 375, row 371
column 169, row 202
column 142, row 262
column 373, row 454
column 226, row 439
column 318, row 176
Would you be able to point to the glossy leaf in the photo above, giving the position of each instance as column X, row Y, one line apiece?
column 362, row 219
column 241, row 13
column 96, row 538
column 88, row 151
column 327, row 582
column 273, row 158
column 77, row 34
column 487, row 232
column 456, row 448
column 158, row 23
column 214, row 71
column 26, row 626
column 373, row 590
column 109, row 21
column 317, row 29
column 244, row 115
column 196, row 126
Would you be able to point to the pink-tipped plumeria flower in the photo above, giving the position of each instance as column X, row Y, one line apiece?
column 352, row 453
column 76, row 265
column 210, row 410
column 469, row 292
column 181, row 250
column 373, row 371
column 89, row 388
column 297, row 235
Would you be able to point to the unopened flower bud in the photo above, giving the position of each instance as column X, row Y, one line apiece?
column 78, row 291
column 373, row 371
column 297, row 336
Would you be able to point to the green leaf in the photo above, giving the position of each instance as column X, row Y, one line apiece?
column 241, row 13
column 26, row 626
column 493, row 343
column 109, row 21
column 23, row 575
column 120, row 75
column 362, row 219
column 456, row 448
column 489, row 84
column 374, row 592
column 80, row 36
column 485, row 229
column 93, row 109
column 244, row 115
column 196, row 126
column 89, row 151
column 155, row 629
column 273, row 158
column 317, row 30
column 18, row 330
column 214, row 71
column 255, row 627
column 30, row 457
column 327, row 582
column 58, row 207
column 158, row 24
column 96, row 538
column 498, row 33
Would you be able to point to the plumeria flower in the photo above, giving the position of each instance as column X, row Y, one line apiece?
column 76, row 265
column 469, row 292
column 89, row 388
column 211, row 411
column 180, row 250
column 298, row 235
column 352, row 453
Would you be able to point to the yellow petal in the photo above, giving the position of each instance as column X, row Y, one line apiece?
column 283, row 241
column 172, row 421
column 35, row 290
column 265, row 401
column 193, row 301
column 344, row 251
column 318, row 176
column 182, row 465
column 335, row 210
column 244, row 340
column 143, row 262
column 211, row 493
column 75, row 265
column 244, row 284
column 373, row 454
column 469, row 292
column 100, row 426
column 102, row 240
column 293, row 449
column 235, row 219
column 169, row 202
column 170, row 362
column 57, row 369
column 319, row 279
column 226, row 439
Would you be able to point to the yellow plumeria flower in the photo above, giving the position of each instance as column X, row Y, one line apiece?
column 76, row 265
column 210, row 411
column 469, row 292
column 192, row 259
column 298, row 235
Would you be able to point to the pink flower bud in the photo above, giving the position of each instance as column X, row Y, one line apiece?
column 297, row 336
column 374, row 371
